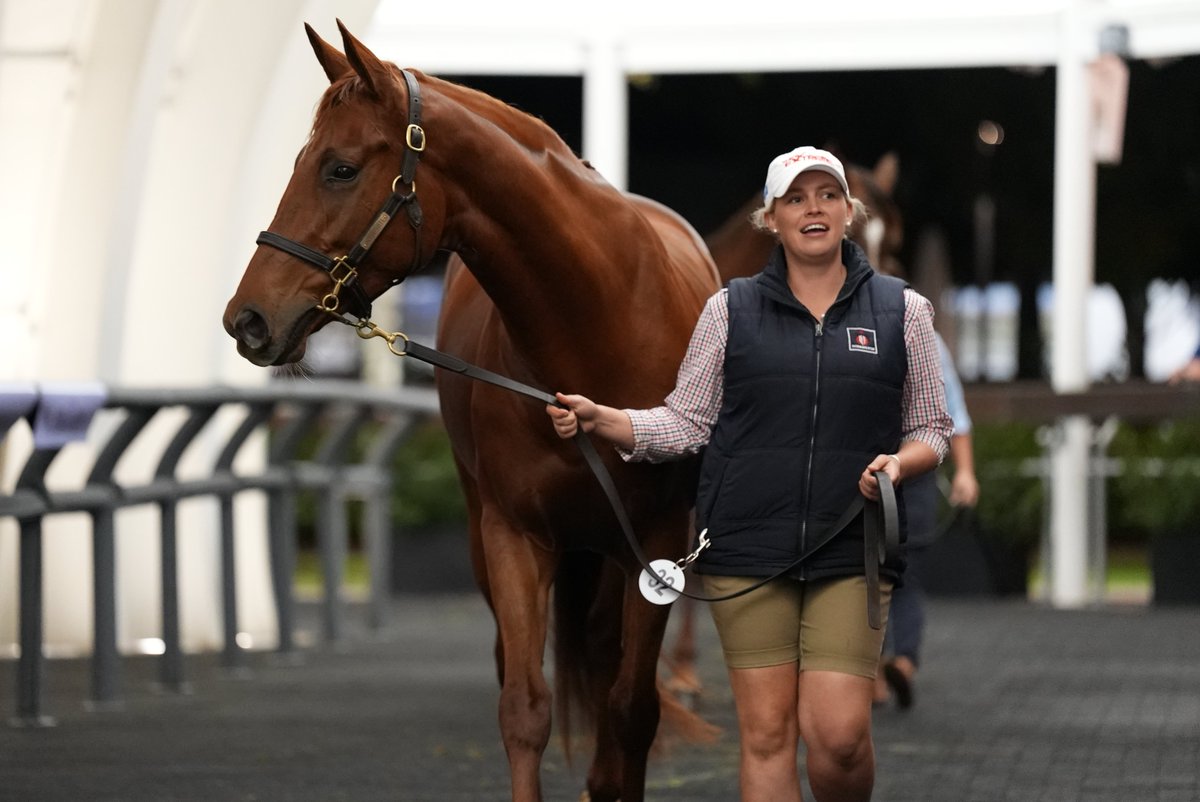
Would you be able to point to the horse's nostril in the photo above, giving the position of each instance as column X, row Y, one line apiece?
column 251, row 329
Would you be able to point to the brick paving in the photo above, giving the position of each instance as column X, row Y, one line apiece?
column 1015, row 702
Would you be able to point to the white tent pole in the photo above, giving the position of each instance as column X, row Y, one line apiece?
column 1074, row 230
column 605, row 111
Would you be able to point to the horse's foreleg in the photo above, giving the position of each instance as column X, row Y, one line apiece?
column 520, row 576
column 631, row 716
column 684, row 682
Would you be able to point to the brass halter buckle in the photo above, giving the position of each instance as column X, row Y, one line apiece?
column 342, row 274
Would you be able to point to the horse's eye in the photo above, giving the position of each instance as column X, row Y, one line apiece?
column 344, row 172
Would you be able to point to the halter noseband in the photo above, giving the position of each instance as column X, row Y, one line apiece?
column 344, row 269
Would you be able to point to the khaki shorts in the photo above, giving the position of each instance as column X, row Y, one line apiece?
column 820, row 625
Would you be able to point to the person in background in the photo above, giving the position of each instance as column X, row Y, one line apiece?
column 800, row 384
column 1189, row 372
column 906, row 622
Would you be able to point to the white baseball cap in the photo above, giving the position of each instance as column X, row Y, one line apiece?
column 786, row 166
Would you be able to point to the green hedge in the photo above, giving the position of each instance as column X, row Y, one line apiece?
column 427, row 492
column 1010, row 496
column 1159, row 489
column 425, row 484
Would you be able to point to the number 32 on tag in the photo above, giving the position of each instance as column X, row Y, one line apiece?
column 664, row 585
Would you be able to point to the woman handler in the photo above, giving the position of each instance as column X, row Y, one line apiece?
column 800, row 383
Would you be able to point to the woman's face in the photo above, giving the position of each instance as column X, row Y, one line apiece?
column 812, row 216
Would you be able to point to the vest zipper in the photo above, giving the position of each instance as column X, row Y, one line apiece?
column 818, row 335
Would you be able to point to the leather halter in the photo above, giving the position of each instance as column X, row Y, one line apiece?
column 344, row 269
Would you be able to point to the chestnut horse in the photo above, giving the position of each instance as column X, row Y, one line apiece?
column 739, row 249
column 564, row 283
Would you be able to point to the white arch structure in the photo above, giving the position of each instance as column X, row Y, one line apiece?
column 144, row 143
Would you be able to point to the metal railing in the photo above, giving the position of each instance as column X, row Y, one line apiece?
column 334, row 414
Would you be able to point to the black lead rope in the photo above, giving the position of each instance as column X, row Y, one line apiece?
column 881, row 520
column 881, row 530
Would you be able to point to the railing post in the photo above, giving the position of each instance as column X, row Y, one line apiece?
column 166, row 489
column 282, row 500
column 341, row 411
column 170, row 669
column 106, row 661
column 27, row 505
column 99, row 496
column 233, row 655
column 281, row 530
column 372, row 478
column 31, row 663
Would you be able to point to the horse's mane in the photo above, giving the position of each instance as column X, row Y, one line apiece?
column 533, row 134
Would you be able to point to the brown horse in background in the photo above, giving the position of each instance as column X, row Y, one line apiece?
column 565, row 283
column 739, row 249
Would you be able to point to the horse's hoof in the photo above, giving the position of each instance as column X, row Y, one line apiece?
column 686, row 687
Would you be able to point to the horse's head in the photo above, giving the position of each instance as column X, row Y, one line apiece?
column 882, row 235
column 334, row 245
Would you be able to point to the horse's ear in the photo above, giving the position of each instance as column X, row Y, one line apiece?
column 887, row 172
column 332, row 61
column 368, row 66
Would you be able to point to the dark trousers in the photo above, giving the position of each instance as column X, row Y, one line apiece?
column 906, row 617
column 906, row 620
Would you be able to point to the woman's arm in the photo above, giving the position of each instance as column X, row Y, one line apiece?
column 683, row 424
column 925, row 421
column 607, row 422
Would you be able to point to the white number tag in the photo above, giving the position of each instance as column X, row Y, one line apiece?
column 663, row 587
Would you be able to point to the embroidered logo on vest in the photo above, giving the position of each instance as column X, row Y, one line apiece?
column 862, row 340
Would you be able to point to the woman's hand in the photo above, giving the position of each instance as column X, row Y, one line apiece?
column 577, row 411
column 581, row 413
column 868, row 485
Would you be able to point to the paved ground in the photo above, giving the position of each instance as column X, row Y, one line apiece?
column 1017, row 702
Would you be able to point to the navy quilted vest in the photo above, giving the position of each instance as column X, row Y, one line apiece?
column 806, row 407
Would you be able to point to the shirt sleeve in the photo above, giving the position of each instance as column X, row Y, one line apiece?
column 956, row 403
column 925, row 417
column 684, row 423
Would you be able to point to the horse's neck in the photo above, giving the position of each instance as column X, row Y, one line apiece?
column 543, row 235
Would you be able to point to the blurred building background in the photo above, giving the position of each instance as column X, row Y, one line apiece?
column 1049, row 158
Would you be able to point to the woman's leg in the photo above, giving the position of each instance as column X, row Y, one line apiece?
column 760, row 638
column 835, row 722
column 838, row 663
column 766, row 703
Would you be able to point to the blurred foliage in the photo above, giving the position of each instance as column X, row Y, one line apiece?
column 424, row 480
column 1158, row 490
column 427, row 491
column 1010, row 492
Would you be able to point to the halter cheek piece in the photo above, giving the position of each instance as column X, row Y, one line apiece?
column 344, row 269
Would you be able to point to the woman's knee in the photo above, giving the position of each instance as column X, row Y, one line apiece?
column 845, row 743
